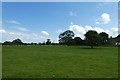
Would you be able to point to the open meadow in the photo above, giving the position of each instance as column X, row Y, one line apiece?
column 59, row 62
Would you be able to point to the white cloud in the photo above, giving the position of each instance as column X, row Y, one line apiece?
column 45, row 33
column 36, row 37
column 80, row 31
column 113, row 32
column 71, row 13
column 15, row 33
column 2, row 30
column 98, row 29
column 88, row 28
column 77, row 29
column 22, row 29
column 114, row 29
column 97, row 22
column 55, row 40
column 25, row 37
column 31, row 37
column 12, row 22
column 10, row 35
column 104, row 19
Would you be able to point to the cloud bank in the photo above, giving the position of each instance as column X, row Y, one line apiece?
column 80, row 30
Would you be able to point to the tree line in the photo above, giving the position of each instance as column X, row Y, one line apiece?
column 19, row 42
column 92, row 38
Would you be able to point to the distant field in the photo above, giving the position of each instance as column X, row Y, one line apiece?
column 59, row 62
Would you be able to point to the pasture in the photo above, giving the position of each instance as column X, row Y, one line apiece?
column 59, row 62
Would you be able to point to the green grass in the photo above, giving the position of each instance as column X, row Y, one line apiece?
column 59, row 62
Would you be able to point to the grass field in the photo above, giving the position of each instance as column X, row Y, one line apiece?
column 59, row 62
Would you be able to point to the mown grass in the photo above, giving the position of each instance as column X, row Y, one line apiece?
column 59, row 62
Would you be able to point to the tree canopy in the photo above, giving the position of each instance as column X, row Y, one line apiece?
column 17, row 42
column 103, row 38
column 92, row 38
column 48, row 42
column 77, row 41
column 66, row 37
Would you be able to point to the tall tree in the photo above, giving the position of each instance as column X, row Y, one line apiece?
column 66, row 37
column 17, row 42
column 103, row 38
column 77, row 41
column 92, row 38
column 48, row 42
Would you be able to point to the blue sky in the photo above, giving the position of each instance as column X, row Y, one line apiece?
column 37, row 21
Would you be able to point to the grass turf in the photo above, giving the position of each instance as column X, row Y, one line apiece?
column 59, row 62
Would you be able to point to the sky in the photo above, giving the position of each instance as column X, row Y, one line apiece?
column 38, row 21
column 60, row 0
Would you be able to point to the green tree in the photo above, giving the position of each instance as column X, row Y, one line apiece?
column 111, row 41
column 103, row 38
column 17, row 42
column 7, row 43
column 77, row 41
column 92, row 38
column 66, row 37
column 48, row 42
